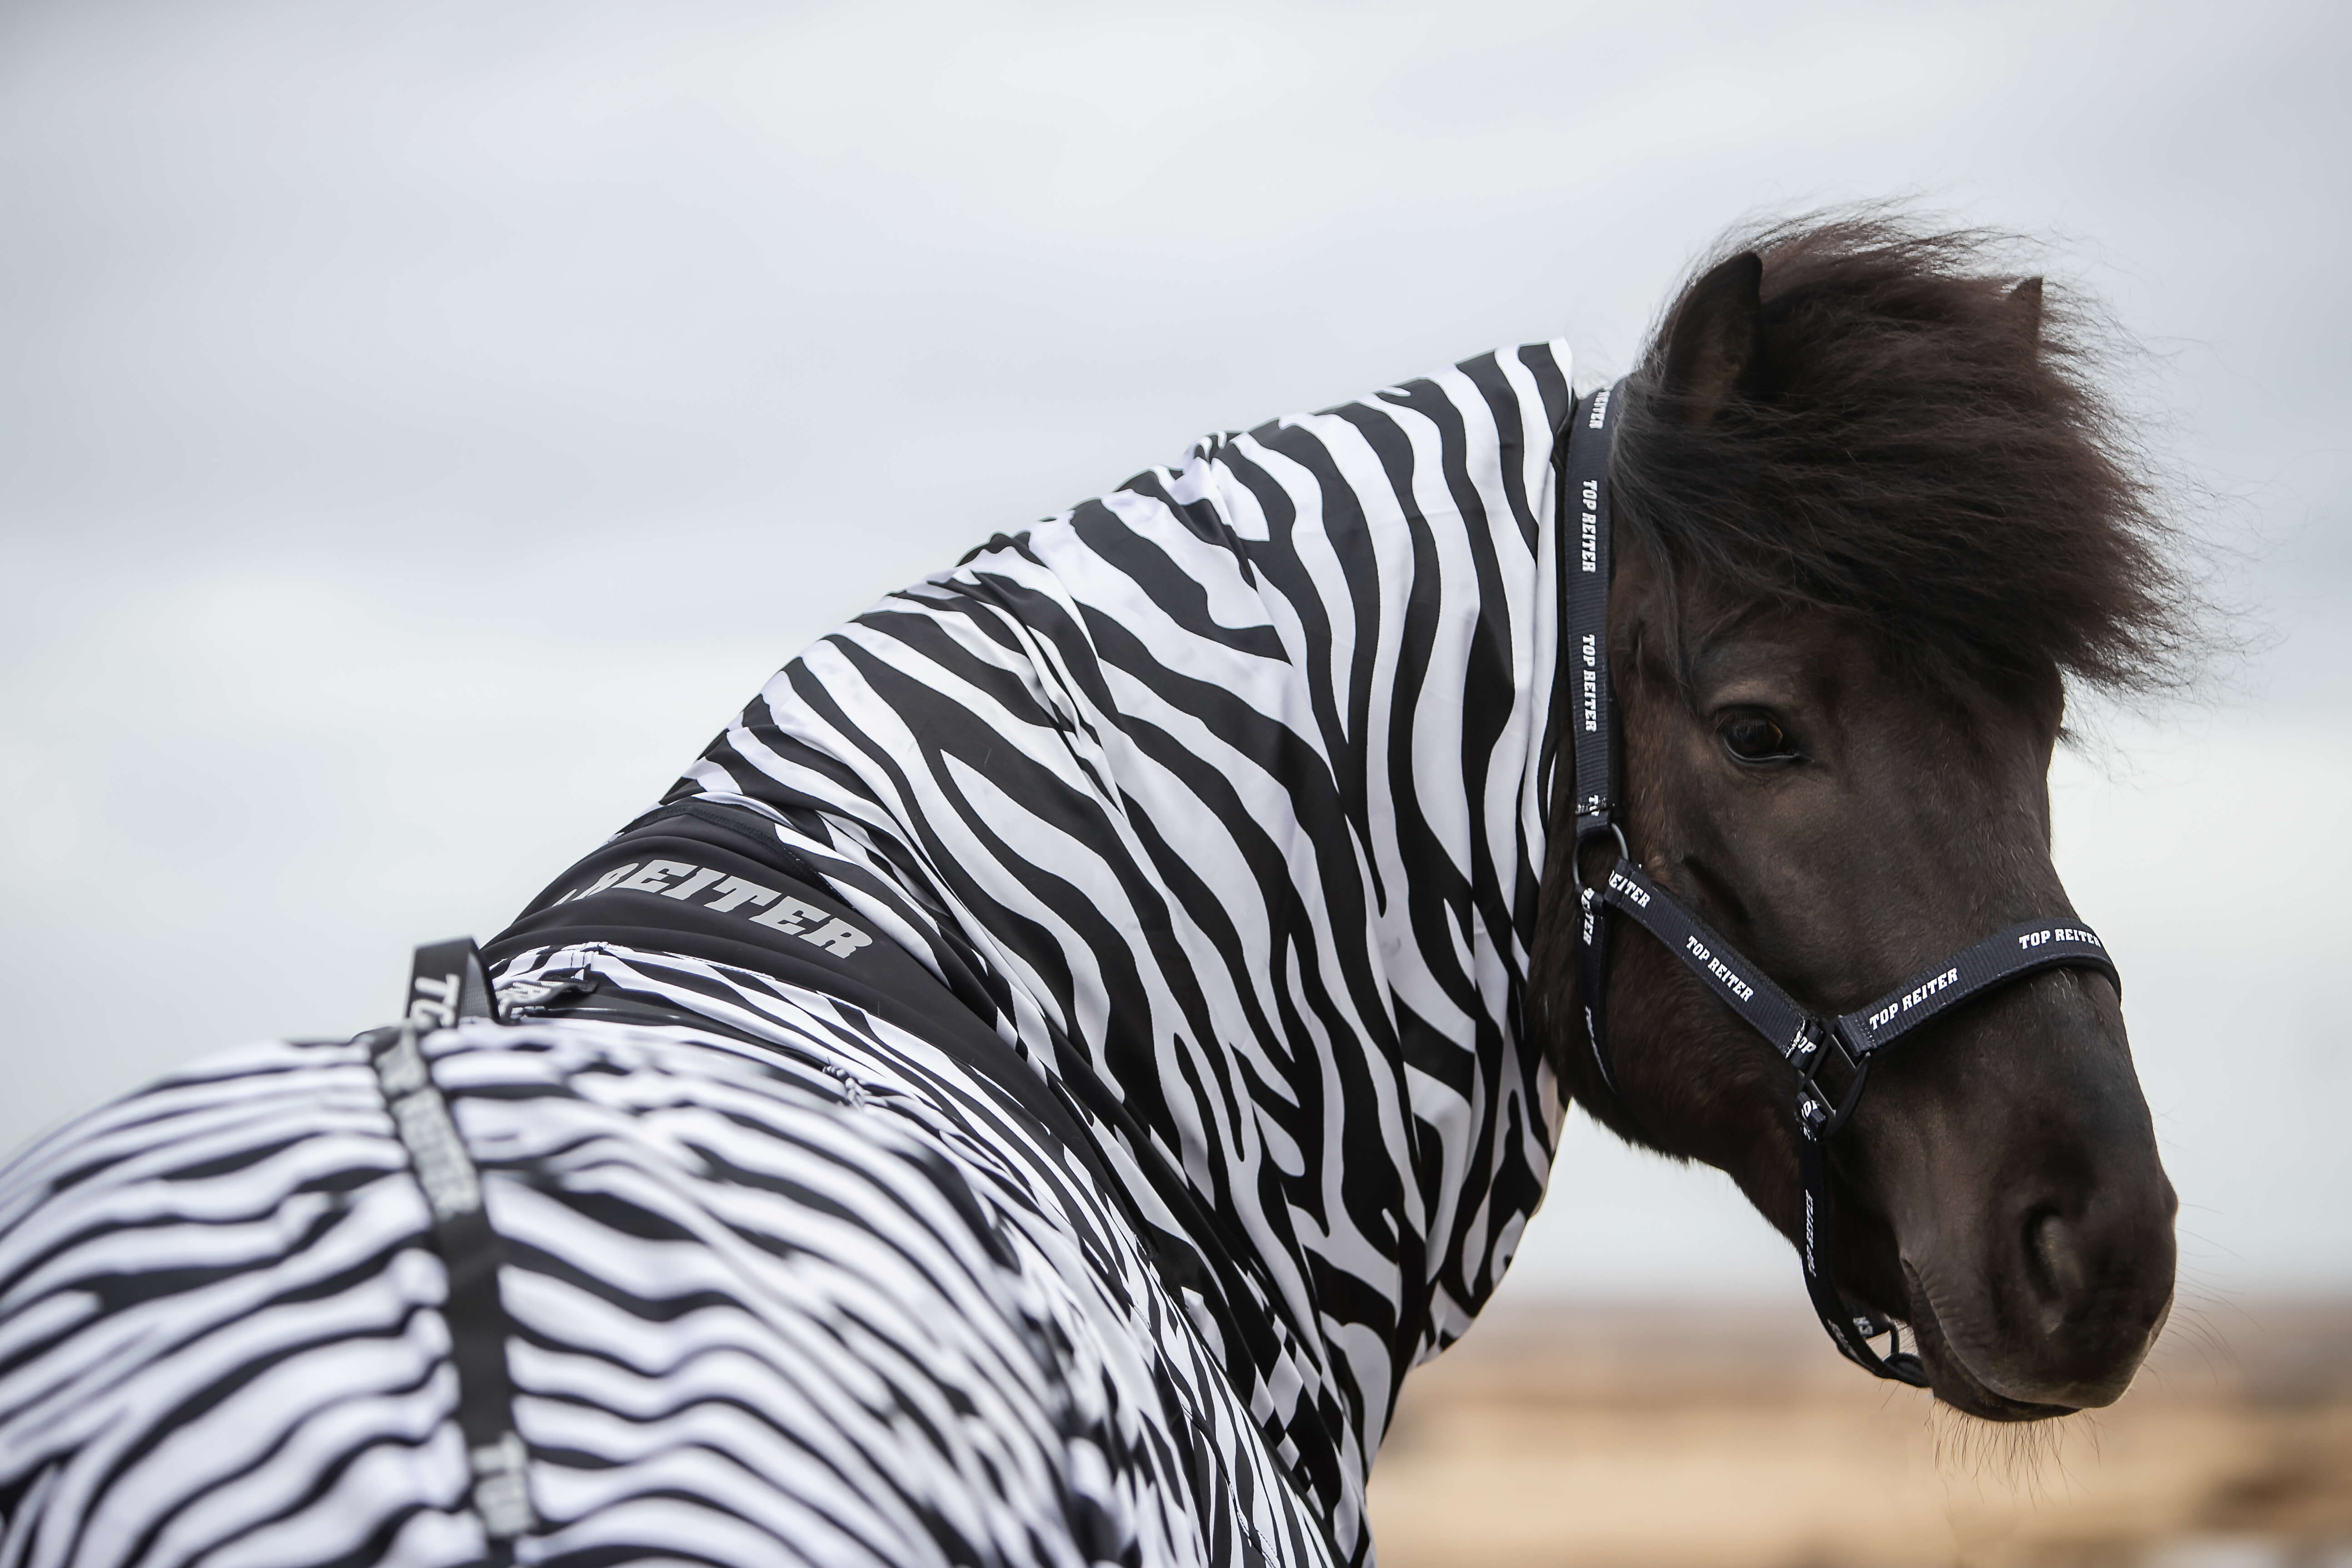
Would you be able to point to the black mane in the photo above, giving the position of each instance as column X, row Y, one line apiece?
column 1923, row 445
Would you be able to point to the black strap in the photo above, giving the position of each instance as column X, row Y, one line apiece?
column 446, row 984
column 1585, row 574
column 1799, row 1036
column 1807, row 1042
column 1744, row 988
column 2023, row 949
column 1592, row 721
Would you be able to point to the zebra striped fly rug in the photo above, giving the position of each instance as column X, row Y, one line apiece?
column 1200, row 823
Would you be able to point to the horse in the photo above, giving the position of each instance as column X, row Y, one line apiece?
column 1041, row 1078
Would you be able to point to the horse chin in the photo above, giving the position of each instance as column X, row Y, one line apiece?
column 1951, row 1378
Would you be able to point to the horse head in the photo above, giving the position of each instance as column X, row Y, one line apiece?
column 1872, row 519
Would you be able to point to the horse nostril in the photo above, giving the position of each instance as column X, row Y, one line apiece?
column 2084, row 1284
column 2054, row 1256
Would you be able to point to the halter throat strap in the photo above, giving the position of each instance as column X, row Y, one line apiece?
column 1807, row 1042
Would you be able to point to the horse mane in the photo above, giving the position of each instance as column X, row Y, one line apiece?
column 1926, row 445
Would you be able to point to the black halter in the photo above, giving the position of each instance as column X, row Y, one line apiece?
column 1805, row 1040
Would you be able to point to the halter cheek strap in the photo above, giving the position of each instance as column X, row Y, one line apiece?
column 1807, row 1041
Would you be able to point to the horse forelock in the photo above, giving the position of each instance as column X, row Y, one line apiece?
column 1923, row 448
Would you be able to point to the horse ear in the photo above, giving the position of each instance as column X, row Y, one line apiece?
column 1715, row 345
column 2025, row 306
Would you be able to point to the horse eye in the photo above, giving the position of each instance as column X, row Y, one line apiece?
column 1752, row 738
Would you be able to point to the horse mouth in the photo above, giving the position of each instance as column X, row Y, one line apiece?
column 1950, row 1376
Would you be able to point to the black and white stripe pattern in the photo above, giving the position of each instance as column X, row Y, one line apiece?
column 1223, row 791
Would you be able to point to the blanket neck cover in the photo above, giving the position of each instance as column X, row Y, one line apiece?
column 1227, row 789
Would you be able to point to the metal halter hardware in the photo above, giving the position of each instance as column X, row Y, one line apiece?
column 1807, row 1041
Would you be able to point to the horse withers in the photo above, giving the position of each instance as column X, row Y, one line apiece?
column 1037, row 1082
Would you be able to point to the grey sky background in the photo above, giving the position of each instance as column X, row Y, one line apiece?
column 421, row 426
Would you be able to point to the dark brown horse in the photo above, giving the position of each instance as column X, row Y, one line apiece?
column 1873, row 518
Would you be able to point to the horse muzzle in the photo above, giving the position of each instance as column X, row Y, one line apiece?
column 2043, row 1270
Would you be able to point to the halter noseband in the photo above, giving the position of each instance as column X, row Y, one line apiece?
column 1806, row 1041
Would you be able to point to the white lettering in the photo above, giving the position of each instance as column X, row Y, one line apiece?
column 502, row 1495
column 840, row 938
column 789, row 916
column 1588, row 529
column 2035, row 939
column 1736, row 986
column 1949, row 978
column 425, row 1012
column 1621, row 883
column 1600, row 408
column 735, row 892
column 606, row 880
column 1912, row 998
column 693, row 884
column 1716, row 966
column 654, row 879
column 441, row 1168
column 401, row 1069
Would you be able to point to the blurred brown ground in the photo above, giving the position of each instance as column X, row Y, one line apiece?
column 1736, row 1438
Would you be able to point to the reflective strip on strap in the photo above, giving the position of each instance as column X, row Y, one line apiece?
column 447, row 983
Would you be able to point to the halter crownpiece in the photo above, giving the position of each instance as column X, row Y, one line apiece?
column 1807, row 1041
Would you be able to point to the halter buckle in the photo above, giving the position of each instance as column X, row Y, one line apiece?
column 1818, row 1116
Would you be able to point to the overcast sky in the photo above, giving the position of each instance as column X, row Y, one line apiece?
column 422, row 426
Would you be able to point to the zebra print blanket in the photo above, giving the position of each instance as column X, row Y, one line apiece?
column 1219, row 798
